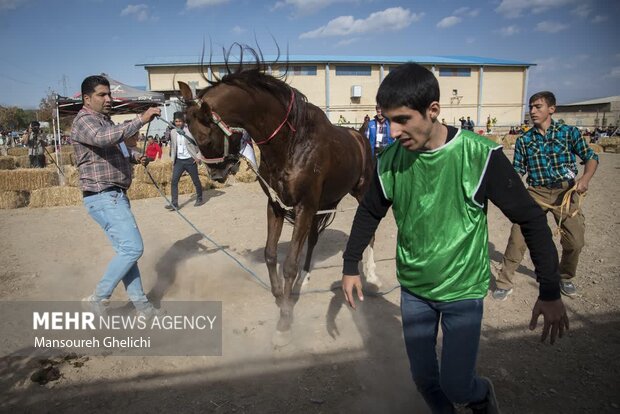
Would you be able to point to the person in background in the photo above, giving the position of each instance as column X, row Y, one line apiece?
column 185, row 157
column 378, row 132
column 546, row 153
column 35, row 141
column 153, row 150
column 104, row 163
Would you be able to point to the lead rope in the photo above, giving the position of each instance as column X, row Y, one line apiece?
column 564, row 208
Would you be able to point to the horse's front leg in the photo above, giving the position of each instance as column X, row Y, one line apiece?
column 303, row 220
column 275, row 219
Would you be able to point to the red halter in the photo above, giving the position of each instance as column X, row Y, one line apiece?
column 228, row 131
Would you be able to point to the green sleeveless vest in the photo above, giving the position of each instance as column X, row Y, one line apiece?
column 442, row 246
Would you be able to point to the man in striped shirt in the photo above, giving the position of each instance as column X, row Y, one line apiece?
column 104, row 163
column 546, row 153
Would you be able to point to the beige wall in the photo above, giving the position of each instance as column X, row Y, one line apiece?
column 501, row 95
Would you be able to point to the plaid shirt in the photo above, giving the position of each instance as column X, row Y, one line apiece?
column 98, row 153
column 551, row 158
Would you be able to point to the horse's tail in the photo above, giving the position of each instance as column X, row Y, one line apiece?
column 324, row 220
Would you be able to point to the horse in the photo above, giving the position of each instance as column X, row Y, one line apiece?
column 310, row 163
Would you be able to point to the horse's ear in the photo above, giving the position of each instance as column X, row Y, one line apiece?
column 204, row 115
column 186, row 92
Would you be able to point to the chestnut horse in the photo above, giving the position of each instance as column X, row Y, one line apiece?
column 309, row 162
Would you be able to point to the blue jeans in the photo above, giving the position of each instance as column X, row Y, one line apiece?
column 456, row 381
column 111, row 210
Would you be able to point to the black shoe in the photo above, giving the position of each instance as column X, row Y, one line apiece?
column 198, row 203
column 568, row 288
column 171, row 207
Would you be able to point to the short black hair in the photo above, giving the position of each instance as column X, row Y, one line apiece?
column 179, row 115
column 90, row 83
column 547, row 96
column 409, row 85
column 34, row 124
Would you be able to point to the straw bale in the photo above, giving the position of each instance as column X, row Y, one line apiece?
column 609, row 141
column 27, row 179
column 17, row 151
column 55, row 197
column 7, row 163
column 596, row 148
column 612, row 148
column 160, row 170
column 245, row 174
column 65, row 158
column 72, row 176
column 13, row 199
column 22, row 161
column 138, row 191
column 509, row 140
column 186, row 186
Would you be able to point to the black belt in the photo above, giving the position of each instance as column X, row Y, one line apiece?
column 559, row 184
column 107, row 190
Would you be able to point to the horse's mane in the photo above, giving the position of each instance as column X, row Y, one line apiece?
column 253, row 75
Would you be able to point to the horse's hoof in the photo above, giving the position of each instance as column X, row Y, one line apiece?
column 281, row 338
column 306, row 279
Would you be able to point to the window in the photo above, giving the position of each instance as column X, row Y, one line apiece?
column 460, row 72
column 299, row 70
column 353, row 70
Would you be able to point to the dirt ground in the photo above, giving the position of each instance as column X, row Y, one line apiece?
column 339, row 360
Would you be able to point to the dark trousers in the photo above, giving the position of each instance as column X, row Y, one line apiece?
column 179, row 167
column 37, row 161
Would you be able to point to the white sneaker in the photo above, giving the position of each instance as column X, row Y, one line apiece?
column 97, row 306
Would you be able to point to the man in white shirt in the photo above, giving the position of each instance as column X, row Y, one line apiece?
column 185, row 157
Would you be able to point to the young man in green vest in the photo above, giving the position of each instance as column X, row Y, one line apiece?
column 438, row 180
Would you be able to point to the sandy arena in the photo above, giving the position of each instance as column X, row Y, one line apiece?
column 339, row 360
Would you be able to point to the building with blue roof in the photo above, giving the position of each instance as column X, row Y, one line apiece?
column 346, row 86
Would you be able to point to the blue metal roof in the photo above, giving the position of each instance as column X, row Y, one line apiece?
column 429, row 60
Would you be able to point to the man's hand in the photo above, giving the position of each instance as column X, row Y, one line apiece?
column 581, row 186
column 144, row 160
column 348, row 283
column 148, row 115
column 554, row 316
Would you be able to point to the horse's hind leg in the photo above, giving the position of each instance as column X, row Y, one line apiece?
column 313, row 237
column 275, row 219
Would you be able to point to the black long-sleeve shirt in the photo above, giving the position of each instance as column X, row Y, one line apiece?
column 500, row 184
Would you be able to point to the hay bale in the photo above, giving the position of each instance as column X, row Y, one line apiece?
column 7, row 163
column 139, row 191
column 17, row 151
column 245, row 173
column 22, row 161
column 495, row 138
column 596, row 148
column 27, row 179
column 160, row 170
column 186, row 186
column 615, row 149
column 65, row 159
column 57, row 196
column 508, row 141
column 14, row 199
column 72, row 176
column 609, row 141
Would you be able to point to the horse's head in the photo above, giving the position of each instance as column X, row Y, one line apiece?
column 210, row 136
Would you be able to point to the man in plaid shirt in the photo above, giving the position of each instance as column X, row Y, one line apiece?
column 104, row 163
column 546, row 153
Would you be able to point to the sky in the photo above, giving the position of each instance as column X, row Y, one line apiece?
column 52, row 45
